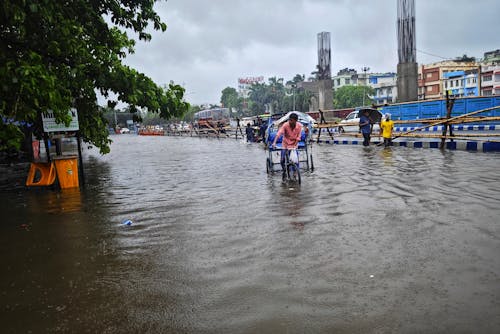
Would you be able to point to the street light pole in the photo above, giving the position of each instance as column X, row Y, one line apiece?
column 364, row 69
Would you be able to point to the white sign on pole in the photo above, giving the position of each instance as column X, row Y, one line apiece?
column 50, row 125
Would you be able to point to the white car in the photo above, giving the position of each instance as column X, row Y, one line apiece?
column 351, row 122
column 124, row 130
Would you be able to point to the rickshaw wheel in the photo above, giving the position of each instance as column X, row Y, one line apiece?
column 294, row 168
column 268, row 166
column 312, row 163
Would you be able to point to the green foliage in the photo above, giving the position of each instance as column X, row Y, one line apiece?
column 278, row 97
column 189, row 116
column 230, row 99
column 10, row 136
column 54, row 55
column 351, row 96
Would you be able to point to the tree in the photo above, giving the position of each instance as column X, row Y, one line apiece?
column 189, row 116
column 230, row 99
column 351, row 96
column 258, row 97
column 54, row 55
column 276, row 94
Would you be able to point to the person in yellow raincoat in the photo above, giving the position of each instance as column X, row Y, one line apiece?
column 386, row 128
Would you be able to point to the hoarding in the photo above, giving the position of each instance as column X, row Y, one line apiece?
column 50, row 125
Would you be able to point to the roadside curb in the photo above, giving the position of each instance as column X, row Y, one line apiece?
column 475, row 146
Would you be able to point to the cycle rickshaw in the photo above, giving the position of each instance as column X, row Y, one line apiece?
column 305, row 159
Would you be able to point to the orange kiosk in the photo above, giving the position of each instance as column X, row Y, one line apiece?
column 64, row 167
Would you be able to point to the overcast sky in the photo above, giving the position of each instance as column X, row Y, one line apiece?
column 209, row 44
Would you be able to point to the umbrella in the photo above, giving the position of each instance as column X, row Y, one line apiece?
column 303, row 118
column 374, row 115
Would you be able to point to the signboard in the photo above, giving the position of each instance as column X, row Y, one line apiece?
column 250, row 80
column 50, row 125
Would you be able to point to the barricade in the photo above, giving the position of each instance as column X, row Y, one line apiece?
column 41, row 174
column 67, row 171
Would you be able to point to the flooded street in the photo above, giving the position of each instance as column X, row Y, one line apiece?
column 373, row 241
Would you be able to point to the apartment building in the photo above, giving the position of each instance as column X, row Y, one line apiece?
column 490, row 73
column 462, row 83
column 385, row 87
column 345, row 77
column 431, row 77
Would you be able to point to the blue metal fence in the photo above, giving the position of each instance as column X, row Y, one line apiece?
column 437, row 108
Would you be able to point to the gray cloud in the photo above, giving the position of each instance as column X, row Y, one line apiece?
column 209, row 44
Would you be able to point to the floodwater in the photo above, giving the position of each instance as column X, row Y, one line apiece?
column 374, row 241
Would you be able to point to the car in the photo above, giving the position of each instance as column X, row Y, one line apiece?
column 351, row 122
column 124, row 130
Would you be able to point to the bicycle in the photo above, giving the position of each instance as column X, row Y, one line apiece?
column 292, row 169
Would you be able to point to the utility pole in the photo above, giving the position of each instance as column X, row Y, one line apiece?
column 364, row 69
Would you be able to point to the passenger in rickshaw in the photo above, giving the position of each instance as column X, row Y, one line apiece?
column 291, row 131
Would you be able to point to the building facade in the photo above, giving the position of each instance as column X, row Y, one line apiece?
column 431, row 77
column 385, row 87
column 462, row 83
column 490, row 73
column 490, row 80
column 384, row 84
column 345, row 77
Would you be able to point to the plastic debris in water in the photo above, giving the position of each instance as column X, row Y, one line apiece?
column 127, row 222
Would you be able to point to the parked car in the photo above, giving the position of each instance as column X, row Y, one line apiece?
column 351, row 122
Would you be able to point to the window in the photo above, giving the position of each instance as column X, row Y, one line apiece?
column 338, row 82
column 429, row 75
column 487, row 78
column 451, row 83
column 446, row 84
column 468, row 80
column 429, row 88
column 456, row 83
column 389, row 91
column 347, row 81
column 474, row 80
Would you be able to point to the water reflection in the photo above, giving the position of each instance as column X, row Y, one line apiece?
column 387, row 156
column 55, row 201
column 293, row 204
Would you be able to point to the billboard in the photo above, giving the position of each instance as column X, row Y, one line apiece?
column 250, row 80
column 245, row 83
column 50, row 125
